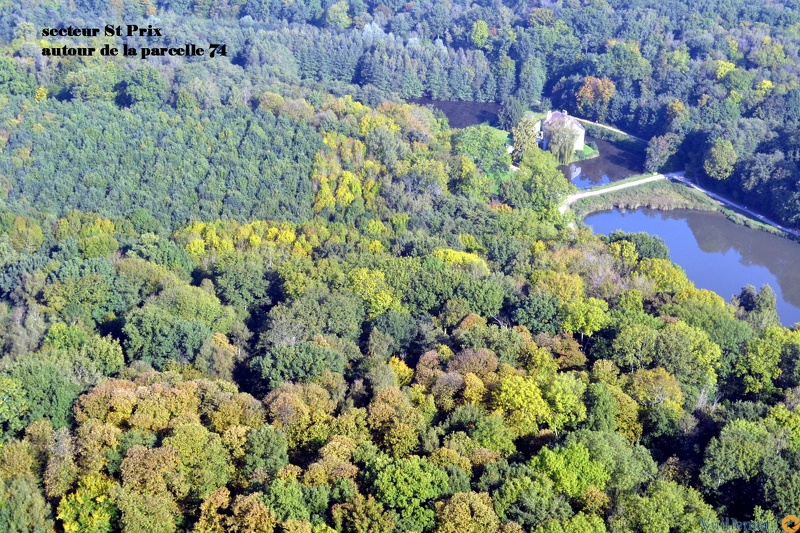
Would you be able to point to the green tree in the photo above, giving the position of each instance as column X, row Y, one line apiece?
column 23, row 508
column 720, row 159
column 579, row 523
column 487, row 147
column 541, row 178
column 630, row 466
column 13, row 80
column 512, row 109
column 601, row 408
column 759, row 308
column 285, row 497
column 266, row 450
column 737, row 453
column 145, row 86
column 480, row 33
column 532, row 79
column 539, row 313
column 337, row 17
column 303, row 362
column 204, row 460
column 90, row 508
column 467, row 512
column 585, row 316
column 634, row 346
column 666, row 276
column 101, row 245
column 571, row 468
column 240, row 281
column 561, row 142
column 648, row 246
column 156, row 336
column 564, row 395
column 13, row 406
column 379, row 297
column 665, row 506
column 687, row 353
column 521, row 400
column 50, row 387
column 408, row 486
column 759, row 365
column 524, row 134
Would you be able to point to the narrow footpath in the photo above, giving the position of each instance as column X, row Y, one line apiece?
column 572, row 198
column 675, row 177
column 610, row 128
column 724, row 201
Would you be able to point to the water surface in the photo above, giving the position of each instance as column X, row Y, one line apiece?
column 613, row 164
column 464, row 114
column 716, row 253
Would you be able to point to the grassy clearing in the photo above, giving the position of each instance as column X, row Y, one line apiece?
column 535, row 115
column 587, row 153
column 622, row 140
column 660, row 194
column 500, row 133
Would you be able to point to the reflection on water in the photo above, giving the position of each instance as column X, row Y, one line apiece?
column 463, row 114
column 613, row 164
column 718, row 254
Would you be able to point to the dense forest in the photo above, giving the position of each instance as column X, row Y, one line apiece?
column 261, row 293
column 713, row 86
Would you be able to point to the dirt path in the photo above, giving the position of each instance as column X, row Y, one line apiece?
column 681, row 178
column 611, row 128
column 571, row 199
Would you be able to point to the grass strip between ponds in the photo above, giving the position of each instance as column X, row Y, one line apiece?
column 656, row 194
column 662, row 195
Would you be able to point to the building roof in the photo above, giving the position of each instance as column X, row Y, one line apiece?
column 558, row 118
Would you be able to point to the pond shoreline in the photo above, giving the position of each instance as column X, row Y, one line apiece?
column 625, row 150
column 462, row 114
column 716, row 253
column 608, row 163
column 668, row 196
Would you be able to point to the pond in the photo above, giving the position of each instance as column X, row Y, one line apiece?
column 464, row 114
column 613, row 164
column 716, row 253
